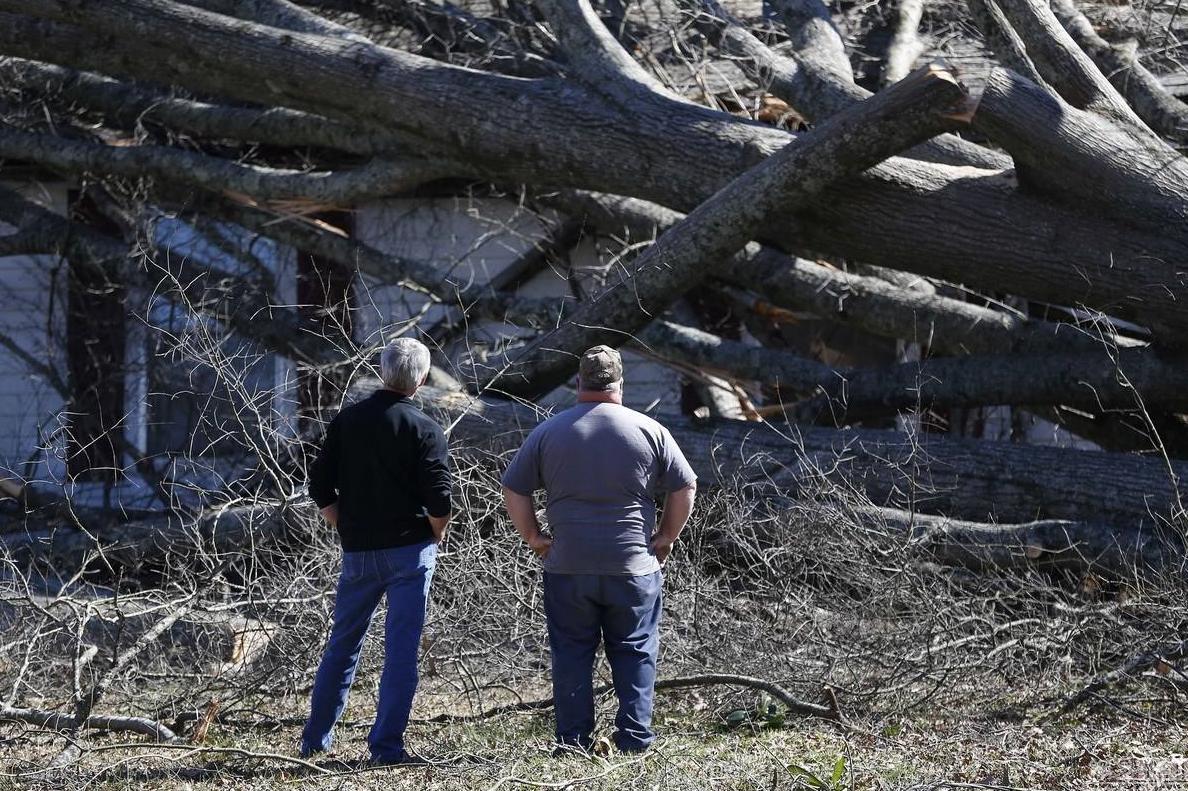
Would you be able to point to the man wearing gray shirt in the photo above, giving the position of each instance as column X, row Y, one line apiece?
column 601, row 466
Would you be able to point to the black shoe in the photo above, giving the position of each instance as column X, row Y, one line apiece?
column 407, row 759
column 565, row 749
column 632, row 748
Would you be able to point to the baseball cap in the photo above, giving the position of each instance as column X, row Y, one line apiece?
column 600, row 367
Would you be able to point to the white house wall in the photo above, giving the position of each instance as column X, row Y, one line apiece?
column 477, row 239
column 32, row 317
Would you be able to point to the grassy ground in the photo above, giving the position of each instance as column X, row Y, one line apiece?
column 947, row 679
column 698, row 749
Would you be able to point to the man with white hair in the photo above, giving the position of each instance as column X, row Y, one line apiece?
column 383, row 480
column 601, row 465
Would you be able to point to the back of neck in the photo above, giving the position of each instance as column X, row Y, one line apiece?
column 599, row 397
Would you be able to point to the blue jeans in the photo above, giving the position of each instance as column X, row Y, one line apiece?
column 582, row 610
column 404, row 573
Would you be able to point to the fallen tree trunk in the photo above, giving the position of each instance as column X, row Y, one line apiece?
column 963, row 478
column 1152, row 102
column 1133, row 497
column 130, row 545
column 931, row 219
column 1078, row 546
column 942, row 323
column 1102, row 381
column 912, row 110
column 1082, row 158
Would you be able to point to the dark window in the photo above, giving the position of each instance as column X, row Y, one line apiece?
column 95, row 327
column 208, row 390
column 324, row 296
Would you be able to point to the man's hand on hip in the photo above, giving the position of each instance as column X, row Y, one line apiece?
column 439, row 524
column 662, row 548
column 540, row 544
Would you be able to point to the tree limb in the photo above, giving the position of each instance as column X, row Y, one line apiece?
column 911, row 111
column 596, row 56
column 377, row 178
column 1161, row 111
column 282, row 14
column 1081, row 158
column 1003, row 39
column 905, row 44
column 1063, row 64
column 64, row 722
column 133, row 104
column 791, row 702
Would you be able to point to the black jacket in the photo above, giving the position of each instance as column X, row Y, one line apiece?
column 386, row 464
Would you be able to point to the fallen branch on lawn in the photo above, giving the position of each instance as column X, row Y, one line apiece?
column 794, row 704
column 57, row 721
column 1136, row 664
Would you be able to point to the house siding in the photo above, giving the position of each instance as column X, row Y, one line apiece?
column 32, row 317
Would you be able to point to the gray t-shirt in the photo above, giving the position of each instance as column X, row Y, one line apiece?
column 601, row 465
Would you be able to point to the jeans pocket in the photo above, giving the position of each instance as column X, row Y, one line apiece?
column 354, row 566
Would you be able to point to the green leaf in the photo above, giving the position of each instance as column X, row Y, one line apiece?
column 839, row 770
column 813, row 780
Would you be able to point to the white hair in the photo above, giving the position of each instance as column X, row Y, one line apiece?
column 404, row 364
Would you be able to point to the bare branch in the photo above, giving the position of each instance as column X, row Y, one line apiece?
column 1162, row 111
column 596, row 56
column 375, row 179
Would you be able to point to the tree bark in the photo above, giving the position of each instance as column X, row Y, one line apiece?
column 1102, row 380
column 931, row 219
column 912, row 110
column 1158, row 108
column 1082, row 158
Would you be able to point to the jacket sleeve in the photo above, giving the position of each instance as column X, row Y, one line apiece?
column 323, row 473
column 436, row 481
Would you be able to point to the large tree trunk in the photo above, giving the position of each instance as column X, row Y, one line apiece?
column 863, row 135
column 922, row 217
